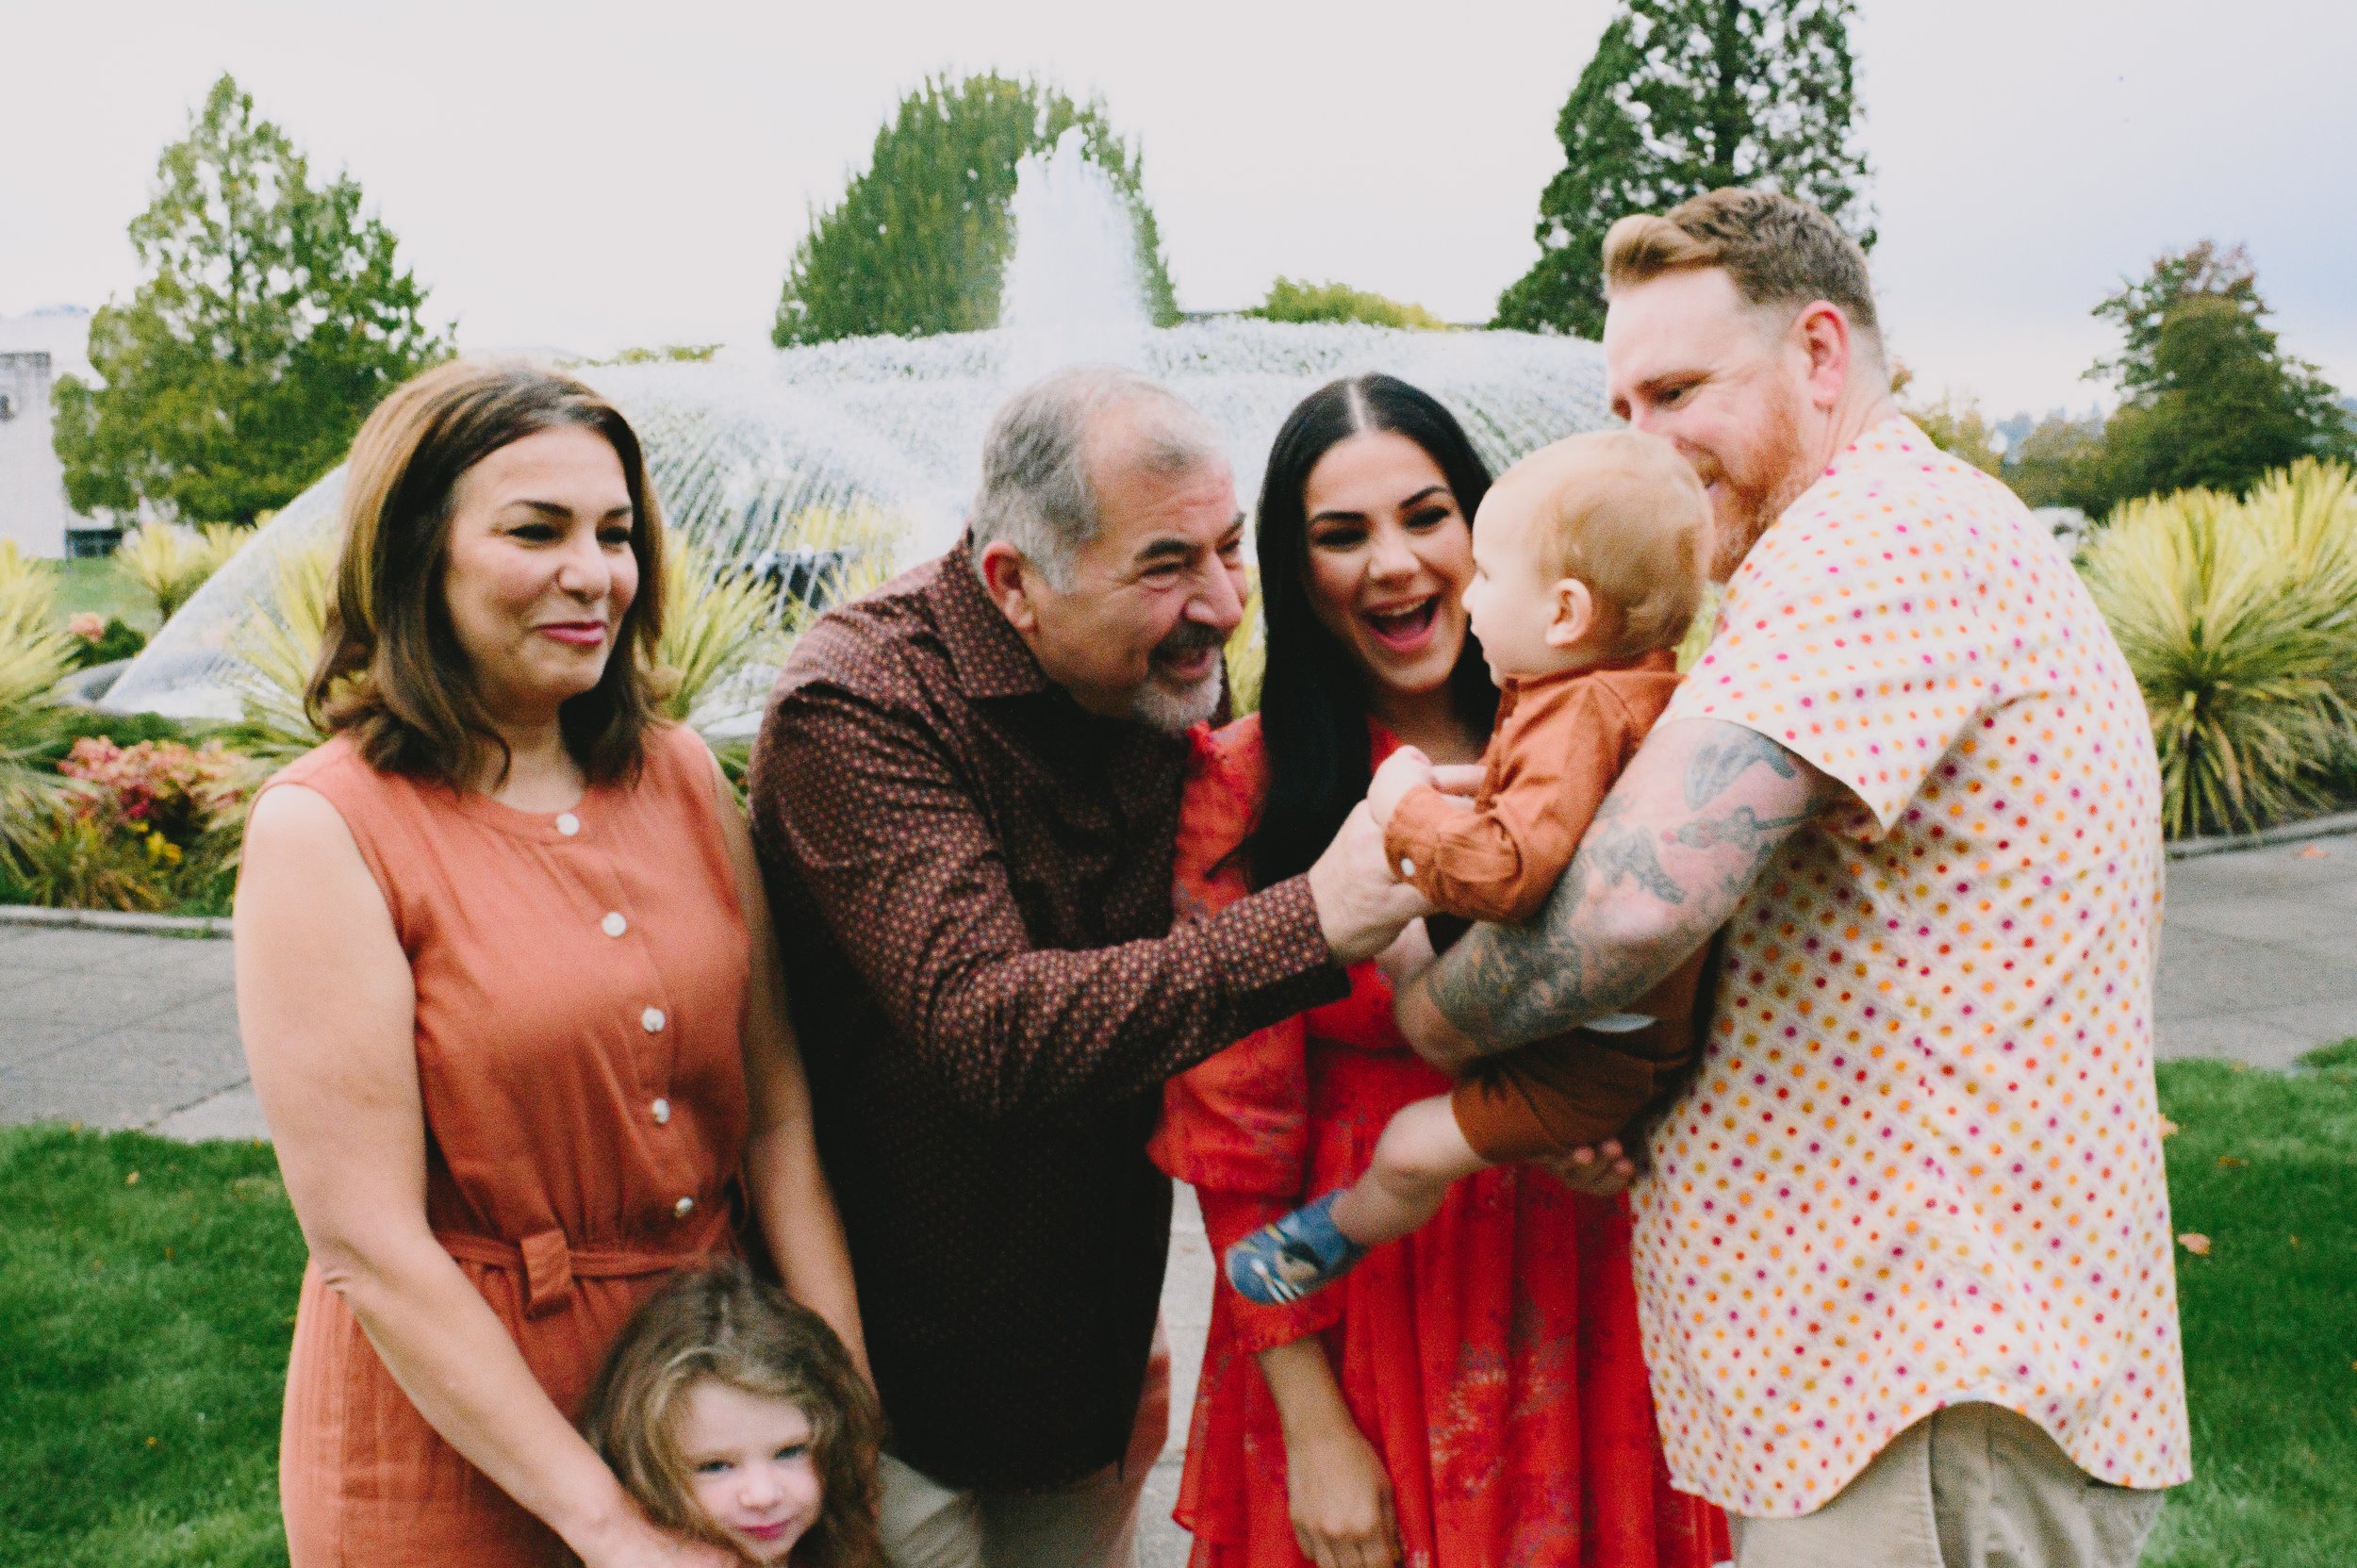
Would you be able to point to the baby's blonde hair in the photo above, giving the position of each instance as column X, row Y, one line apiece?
column 1624, row 513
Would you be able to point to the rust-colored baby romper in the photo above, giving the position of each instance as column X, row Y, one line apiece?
column 1559, row 745
column 581, row 980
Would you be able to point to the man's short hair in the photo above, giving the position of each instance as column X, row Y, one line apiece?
column 1779, row 251
column 1037, row 493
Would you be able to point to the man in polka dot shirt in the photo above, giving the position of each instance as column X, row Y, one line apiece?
column 1904, row 1251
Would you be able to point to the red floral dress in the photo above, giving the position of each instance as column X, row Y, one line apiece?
column 1491, row 1357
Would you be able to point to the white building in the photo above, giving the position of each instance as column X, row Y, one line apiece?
column 35, row 350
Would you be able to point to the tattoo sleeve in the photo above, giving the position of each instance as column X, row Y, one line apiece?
column 1701, row 809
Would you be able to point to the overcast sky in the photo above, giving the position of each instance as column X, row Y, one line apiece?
column 592, row 175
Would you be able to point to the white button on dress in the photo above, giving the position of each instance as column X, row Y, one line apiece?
column 1407, row 867
column 685, row 1207
column 614, row 925
column 652, row 1020
column 567, row 824
column 661, row 1110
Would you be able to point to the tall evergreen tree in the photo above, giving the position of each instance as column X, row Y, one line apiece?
column 2208, row 395
column 1685, row 96
column 918, row 244
column 273, row 316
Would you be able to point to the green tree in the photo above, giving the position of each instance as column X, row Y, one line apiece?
column 272, row 317
column 1291, row 301
column 2062, row 461
column 1957, row 427
column 2209, row 397
column 918, row 244
column 1685, row 96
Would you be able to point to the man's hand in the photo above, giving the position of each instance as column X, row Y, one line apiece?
column 1603, row 1171
column 1407, row 958
column 1404, row 771
column 1363, row 905
column 1427, row 1029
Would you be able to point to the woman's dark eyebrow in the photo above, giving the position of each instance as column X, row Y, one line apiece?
column 552, row 509
column 1336, row 516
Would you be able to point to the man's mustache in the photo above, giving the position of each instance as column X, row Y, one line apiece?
column 1187, row 640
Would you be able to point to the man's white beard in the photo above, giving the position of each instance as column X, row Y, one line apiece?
column 1176, row 712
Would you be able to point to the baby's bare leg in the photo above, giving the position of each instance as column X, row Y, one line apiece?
column 1420, row 1154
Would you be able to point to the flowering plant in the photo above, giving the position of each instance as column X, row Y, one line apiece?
column 165, row 792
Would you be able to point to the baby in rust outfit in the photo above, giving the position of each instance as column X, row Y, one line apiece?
column 1588, row 567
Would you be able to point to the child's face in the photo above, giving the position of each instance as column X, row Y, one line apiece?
column 751, row 1467
column 1510, row 600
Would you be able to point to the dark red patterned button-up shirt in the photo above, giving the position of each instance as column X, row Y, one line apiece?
column 971, row 878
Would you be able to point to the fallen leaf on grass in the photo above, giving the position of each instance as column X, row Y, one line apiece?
column 2229, row 1161
column 2169, row 1129
column 132, row 1179
column 2195, row 1243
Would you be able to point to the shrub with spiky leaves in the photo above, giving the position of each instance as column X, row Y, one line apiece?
column 1247, row 653
column 275, row 652
column 34, row 655
column 2239, row 618
column 171, row 563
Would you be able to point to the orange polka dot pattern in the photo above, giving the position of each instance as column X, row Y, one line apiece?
column 1922, row 1163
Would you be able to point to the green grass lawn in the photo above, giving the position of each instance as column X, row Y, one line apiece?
column 147, row 1290
column 96, row 584
column 2266, row 1166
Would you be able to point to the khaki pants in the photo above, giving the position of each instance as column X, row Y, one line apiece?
column 1090, row 1524
column 1971, row 1486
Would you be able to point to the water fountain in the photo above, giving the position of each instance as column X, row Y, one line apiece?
column 759, row 452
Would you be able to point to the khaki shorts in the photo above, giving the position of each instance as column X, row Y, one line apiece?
column 1090, row 1524
column 1971, row 1486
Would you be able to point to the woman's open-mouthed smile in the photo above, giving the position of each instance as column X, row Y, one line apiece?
column 1390, row 554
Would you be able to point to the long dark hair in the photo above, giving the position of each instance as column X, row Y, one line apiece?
column 1313, row 697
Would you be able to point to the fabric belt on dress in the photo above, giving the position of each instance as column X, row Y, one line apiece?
column 550, row 1263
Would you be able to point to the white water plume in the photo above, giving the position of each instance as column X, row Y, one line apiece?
column 773, row 457
column 1074, row 292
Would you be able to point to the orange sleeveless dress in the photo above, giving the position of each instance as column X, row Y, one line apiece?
column 581, row 980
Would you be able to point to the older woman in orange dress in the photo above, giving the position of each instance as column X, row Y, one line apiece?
column 508, row 990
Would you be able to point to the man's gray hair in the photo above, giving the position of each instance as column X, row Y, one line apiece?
column 1036, row 491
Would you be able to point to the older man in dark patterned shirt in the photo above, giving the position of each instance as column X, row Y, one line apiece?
column 966, row 795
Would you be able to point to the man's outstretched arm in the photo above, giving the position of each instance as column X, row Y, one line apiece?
column 1701, row 809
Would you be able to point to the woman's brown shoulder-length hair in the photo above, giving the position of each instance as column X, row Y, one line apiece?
column 390, row 673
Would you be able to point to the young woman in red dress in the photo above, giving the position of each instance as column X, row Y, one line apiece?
column 1473, row 1396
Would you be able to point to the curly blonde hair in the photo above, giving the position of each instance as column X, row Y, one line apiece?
column 719, row 1320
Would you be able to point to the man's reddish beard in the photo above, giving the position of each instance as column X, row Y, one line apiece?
column 1775, row 469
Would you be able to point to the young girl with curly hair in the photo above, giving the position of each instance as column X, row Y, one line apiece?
column 734, row 1415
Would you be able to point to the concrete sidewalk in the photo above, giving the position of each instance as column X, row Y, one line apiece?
column 2258, row 963
column 110, row 1028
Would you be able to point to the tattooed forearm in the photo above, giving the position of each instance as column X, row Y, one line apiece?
column 1670, row 854
column 1508, row 984
column 1719, row 762
column 1740, row 827
column 1617, row 851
